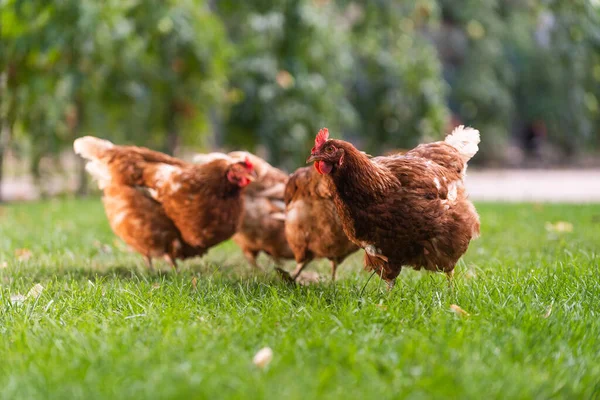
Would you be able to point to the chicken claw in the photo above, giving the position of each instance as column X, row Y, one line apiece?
column 285, row 275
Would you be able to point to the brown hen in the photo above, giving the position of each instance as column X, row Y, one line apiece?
column 313, row 228
column 162, row 206
column 404, row 210
column 141, row 222
column 262, row 228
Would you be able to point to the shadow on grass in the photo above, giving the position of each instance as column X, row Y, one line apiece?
column 125, row 271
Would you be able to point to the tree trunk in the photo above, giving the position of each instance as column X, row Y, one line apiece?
column 7, row 119
column 217, row 140
column 3, row 119
column 172, row 138
column 82, row 177
column 3, row 146
column 36, row 171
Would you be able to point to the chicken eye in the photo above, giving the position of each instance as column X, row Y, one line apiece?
column 329, row 149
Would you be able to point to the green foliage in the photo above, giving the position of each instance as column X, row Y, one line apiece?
column 396, row 86
column 287, row 81
column 482, row 78
column 573, row 101
column 266, row 75
column 525, row 62
column 104, row 327
column 176, row 65
column 132, row 68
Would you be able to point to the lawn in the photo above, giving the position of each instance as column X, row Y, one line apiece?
column 104, row 327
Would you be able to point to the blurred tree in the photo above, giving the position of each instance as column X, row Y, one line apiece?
column 61, row 66
column 287, row 80
column 129, row 69
column 397, row 87
column 176, row 68
column 513, row 65
column 480, row 74
column 571, row 103
column 269, row 73
column 20, row 27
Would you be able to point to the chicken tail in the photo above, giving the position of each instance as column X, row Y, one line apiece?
column 91, row 148
column 99, row 172
column 465, row 140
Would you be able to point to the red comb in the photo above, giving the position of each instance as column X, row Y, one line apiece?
column 248, row 163
column 322, row 137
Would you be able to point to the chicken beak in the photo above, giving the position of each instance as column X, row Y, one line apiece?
column 313, row 158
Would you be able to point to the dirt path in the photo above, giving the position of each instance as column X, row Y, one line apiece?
column 573, row 186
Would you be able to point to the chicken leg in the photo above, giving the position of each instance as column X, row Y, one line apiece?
column 149, row 263
column 334, row 265
column 251, row 258
column 173, row 263
column 450, row 277
column 299, row 267
column 390, row 284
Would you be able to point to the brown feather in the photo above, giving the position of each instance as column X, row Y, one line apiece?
column 198, row 202
column 409, row 210
column 142, row 223
column 313, row 228
column 260, row 229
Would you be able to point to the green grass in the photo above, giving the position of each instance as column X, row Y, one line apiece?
column 106, row 328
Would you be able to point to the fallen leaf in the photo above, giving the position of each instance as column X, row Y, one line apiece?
column 17, row 298
column 23, row 254
column 381, row 306
column 35, row 291
column 459, row 311
column 284, row 79
column 470, row 274
column 194, row 283
column 103, row 248
column 155, row 286
column 560, row 227
column 548, row 310
column 117, row 243
column 263, row 357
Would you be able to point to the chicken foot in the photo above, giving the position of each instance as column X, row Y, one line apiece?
column 298, row 270
column 251, row 258
column 173, row 263
column 450, row 277
column 149, row 263
column 334, row 265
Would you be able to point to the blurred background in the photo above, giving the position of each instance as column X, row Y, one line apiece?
column 185, row 76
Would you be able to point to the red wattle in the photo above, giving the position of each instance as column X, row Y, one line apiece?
column 244, row 182
column 317, row 168
column 324, row 167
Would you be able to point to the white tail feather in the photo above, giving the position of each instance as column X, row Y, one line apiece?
column 465, row 140
column 99, row 172
column 90, row 147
